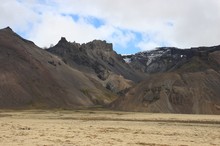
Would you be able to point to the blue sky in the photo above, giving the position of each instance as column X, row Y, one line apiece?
column 131, row 25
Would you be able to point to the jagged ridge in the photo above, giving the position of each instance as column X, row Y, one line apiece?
column 97, row 59
column 31, row 77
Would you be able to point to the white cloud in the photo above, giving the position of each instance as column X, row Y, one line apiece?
column 53, row 26
column 180, row 23
column 195, row 22
column 16, row 15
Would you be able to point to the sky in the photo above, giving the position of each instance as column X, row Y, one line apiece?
column 131, row 25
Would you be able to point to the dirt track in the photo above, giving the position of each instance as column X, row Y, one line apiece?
column 106, row 128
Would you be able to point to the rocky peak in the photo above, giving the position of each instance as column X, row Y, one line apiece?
column 63, row 43
column 96, row 45
column 100, row 45
column 62, row 40
column 8, row 33
column 8, row 29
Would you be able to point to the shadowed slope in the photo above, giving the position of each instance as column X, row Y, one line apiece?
column 98, row 60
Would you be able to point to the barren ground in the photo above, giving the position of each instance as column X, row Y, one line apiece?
column 106, row 128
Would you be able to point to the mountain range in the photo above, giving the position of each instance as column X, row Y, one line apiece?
column 71, row 75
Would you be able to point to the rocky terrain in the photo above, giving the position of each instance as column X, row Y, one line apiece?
column 184, row 81
column 72, row 75
column 166, row 58
column 31, row 77
column 98, row 60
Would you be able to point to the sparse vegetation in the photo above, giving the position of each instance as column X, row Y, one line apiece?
column 85, row 92
column 101, row 127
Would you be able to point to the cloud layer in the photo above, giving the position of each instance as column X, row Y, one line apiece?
column 130, row 25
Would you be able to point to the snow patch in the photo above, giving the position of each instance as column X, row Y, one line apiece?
column 127, row 60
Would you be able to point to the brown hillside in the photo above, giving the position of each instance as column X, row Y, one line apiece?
column 192, row 88
column 32, row 77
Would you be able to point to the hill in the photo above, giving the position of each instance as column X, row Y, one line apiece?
column 180, row 81
column 98, row 60
column 31, row 77
column 71, row 75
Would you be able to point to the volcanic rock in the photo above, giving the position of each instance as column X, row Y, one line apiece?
column 97, row 59
column 192, row 87
column 31, row 77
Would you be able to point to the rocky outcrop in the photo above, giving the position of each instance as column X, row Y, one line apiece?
column 167, row 59
column 190, row 88
column 31, row 77
column 98, row 59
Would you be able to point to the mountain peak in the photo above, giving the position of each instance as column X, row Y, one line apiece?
column 7, row 29
column 63, row 40
column 100, row 45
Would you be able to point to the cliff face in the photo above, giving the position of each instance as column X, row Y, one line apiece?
column 167, row 59
column 97, row 59
column 32, row 77
column 186, row 81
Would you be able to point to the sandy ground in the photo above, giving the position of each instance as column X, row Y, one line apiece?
column 106, row 128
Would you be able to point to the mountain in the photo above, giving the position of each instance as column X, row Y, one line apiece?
column 31, row 77
column 98, row 60
column 180, row 81
column 166, row 58
column 71, row 75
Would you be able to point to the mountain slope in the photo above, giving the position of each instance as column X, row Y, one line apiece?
column 192, row 87
column 97, row 59
column 32, row 77
column 86, row 75
column 166, row 58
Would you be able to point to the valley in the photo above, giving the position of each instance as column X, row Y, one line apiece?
column 109, row 73
column 103, row 127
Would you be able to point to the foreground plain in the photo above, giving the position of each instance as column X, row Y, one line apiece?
column 106, row 128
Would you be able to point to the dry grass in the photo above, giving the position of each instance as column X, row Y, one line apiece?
column 106, row 128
